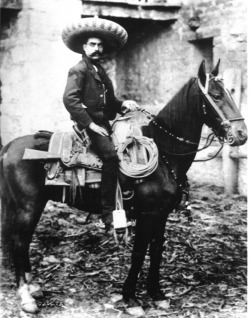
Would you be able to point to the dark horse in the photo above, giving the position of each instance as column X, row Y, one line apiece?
column 176, row 131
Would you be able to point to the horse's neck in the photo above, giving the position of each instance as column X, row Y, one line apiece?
column 181, row 117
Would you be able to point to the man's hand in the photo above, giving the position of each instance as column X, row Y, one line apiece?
column 129, row 106
column 98, row 129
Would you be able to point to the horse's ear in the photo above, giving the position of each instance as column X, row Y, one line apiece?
column 202, row 72
column 215, row 70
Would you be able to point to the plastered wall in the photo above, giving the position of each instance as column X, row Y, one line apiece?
column 34, row 66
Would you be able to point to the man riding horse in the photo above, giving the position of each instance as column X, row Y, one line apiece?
column 89, row 97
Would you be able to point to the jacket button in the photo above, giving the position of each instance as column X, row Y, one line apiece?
column 101, row 95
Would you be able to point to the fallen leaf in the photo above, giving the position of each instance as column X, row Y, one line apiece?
column 51, row 259
column 136, row 311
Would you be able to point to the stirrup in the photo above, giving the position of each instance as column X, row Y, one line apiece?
column 120, row 226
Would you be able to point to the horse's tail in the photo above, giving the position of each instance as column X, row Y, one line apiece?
column 7, row 210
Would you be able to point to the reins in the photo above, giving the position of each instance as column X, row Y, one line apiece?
column 207, row 144
column 151, row 116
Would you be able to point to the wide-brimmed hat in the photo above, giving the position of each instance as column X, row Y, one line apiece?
column 113, row 35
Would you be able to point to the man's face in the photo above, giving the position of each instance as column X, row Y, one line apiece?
column 93, row 48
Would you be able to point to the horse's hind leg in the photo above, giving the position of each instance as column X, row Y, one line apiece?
column 26, row 220
column 17, row 228
column 7, row 210
column 23, row 194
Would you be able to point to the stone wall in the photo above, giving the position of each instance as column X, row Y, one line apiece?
column 157, row 60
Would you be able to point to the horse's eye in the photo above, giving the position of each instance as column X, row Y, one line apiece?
column 216, row 97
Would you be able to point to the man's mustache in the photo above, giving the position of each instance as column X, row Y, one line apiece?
column 96, row 54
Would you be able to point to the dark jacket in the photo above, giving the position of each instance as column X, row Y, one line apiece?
column 85, row 97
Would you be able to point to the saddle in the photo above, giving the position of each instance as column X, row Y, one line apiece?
column 77, row 161
column 70, row 158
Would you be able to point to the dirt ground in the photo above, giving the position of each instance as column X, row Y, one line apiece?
column 81, row 270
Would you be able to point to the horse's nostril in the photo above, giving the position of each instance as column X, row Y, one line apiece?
column 242, row 134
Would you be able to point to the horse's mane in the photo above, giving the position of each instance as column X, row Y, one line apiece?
column 181, row 117
column 176, row 109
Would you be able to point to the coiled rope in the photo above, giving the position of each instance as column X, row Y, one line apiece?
column 137, row 170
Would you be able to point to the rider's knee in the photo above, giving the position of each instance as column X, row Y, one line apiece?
column 111, row 157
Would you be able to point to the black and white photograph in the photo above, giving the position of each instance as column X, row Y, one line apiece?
column 123, row 159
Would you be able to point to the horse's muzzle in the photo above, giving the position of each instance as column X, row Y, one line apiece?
column 237, row 135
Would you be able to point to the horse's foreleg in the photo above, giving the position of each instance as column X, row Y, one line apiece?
column 143, row 233
column 156, row 250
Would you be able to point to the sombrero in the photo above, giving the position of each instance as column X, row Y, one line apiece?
column 113, row 35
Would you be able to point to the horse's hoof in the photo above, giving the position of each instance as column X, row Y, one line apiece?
column 28, row 303
column 131, row 301
column 35, row 291
column 156, row 295
column 30, row 307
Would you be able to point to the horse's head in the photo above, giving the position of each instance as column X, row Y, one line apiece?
column 220, row 111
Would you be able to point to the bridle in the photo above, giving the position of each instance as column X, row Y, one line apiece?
column 184, row 186
column 224, row 121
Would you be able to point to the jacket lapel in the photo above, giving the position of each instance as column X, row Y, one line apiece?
column 92, row 70
column 95, row 75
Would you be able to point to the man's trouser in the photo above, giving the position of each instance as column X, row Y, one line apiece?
column 105, row 149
